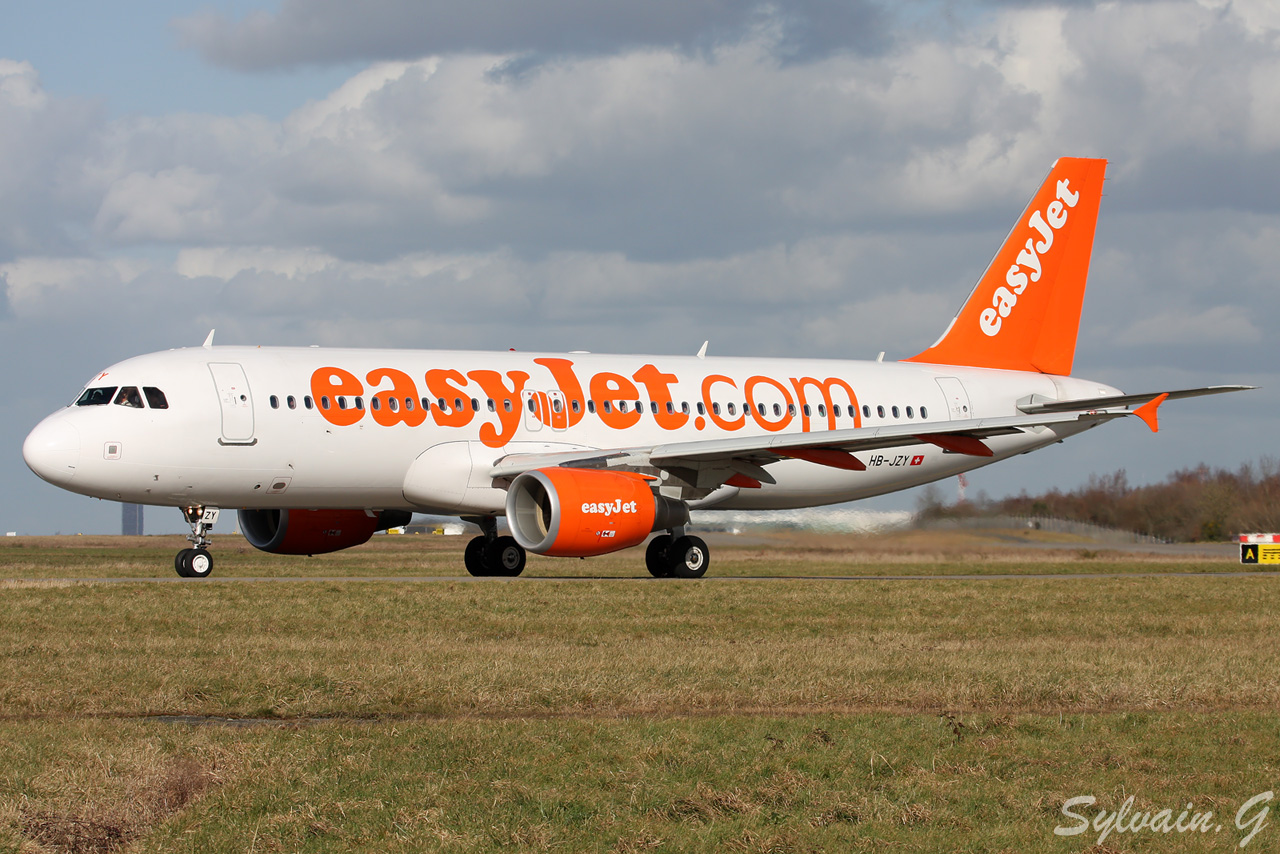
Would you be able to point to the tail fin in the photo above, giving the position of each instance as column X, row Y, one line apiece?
column 1024, row 313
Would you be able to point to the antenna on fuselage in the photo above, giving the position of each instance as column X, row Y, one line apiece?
column 208, row 342
column 702, row 351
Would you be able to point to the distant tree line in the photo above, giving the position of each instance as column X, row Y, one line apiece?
column 1192, row 504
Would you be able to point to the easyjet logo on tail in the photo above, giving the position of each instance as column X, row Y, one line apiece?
column 1024, row 313
column 1028, row 266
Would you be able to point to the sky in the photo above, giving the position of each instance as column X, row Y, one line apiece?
column 794, row 178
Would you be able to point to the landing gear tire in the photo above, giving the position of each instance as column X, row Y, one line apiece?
column 655, row 556
column 505, row 557
column 473, row 557
column 501, row 557
column 688, row 557
column 193, row 563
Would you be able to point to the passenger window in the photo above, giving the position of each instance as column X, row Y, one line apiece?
column 733, row 408
column 910, row 412
column 575, row 403
column 359, row 402
column 822, row 410
column 275, row 402
column 880, row 411
column 129, row 397
column 607, row 406
column 532, row 406
column 342, row 402
column 306, row 401
column 393, row 403
column 684, row 407
column 291, row 400
column 375, row 404
column 808, row 410
column 895, row 412
column 715, row 407
column 760, row 409
column 777, row 410
column 924, row 413
column 653, row 407
column 866, row 411
column 155, row 397
column 591, row 407
column 557, row 405
column 701, row 409
column 622, row 406
column 475, row 405
column 408, row 404
column 493, row 407
column 506, row 404
column 96, row 396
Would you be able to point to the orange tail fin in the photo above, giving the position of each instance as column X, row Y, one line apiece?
column 1024, row 313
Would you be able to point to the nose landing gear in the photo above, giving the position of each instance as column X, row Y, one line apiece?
column 197, row 562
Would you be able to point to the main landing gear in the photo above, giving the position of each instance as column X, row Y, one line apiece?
column 491, row 556
column 197, row 562
column 676, row 555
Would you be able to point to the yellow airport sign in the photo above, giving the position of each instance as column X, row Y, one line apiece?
column 1260, row 553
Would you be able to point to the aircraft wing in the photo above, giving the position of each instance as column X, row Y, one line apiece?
column 722, row 458
column 709, row 463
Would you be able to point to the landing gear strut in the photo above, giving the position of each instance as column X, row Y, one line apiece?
column 197, row 562
column 488, row 555
column 676, row 555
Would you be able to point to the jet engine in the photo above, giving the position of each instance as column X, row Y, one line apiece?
column 314, row 532
column 567, row 512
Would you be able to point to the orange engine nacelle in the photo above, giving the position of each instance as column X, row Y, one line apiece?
column 315, row 532
column 583, row 512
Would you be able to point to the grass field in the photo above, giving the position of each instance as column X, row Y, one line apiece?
column 611, row 712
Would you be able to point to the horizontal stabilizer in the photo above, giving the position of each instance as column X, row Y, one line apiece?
column 1124, row 400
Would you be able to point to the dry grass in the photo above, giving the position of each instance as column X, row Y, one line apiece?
column 625, row 714
column 621, row 647
column 98, row 804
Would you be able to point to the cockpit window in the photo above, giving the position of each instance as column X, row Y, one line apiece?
column 129, row 396
column 96, row 396
column 155, row 397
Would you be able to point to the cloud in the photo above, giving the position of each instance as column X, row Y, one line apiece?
column 43, row 142
column 775, row 180
column 331, row 31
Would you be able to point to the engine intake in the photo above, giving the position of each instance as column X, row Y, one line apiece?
column 567, row 512
column 315, row 532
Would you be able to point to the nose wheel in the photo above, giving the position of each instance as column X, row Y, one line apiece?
column 197, row 562
column 193, row 563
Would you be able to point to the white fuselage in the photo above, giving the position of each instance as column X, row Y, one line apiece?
column 245, row 427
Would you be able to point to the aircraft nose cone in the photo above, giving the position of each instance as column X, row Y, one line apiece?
column 52, row 450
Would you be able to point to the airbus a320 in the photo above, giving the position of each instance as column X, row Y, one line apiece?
column 317, row 449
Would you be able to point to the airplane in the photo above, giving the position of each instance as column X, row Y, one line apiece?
column 319, row 448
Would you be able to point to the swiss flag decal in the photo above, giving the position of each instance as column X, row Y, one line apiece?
column 917, row 459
